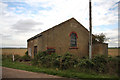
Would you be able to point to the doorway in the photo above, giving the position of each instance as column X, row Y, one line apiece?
column 35, row 50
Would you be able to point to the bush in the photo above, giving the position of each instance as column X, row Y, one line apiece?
column 113, row 65
column 44, row 59
column 100, row 62
column 86, row 63
column 55, row 60
column 41, row 58
column 25, row 58
column 68, row 61
column 26, row 53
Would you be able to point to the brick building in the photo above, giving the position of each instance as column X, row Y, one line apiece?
column 69, row 36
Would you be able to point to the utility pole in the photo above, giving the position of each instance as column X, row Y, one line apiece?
column 90, row 30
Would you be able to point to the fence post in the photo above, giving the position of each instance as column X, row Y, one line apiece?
column 13, row 58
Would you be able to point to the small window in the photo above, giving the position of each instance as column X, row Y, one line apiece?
column 73, row 40
column 50, row 50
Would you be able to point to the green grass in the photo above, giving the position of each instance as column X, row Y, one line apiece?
column 64, row 73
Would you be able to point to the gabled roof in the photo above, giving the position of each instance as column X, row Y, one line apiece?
column 40, row 34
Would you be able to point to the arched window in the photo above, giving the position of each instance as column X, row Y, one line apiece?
column 73, row 39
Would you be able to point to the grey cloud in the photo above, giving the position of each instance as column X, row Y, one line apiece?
column 25, row 25
column 114, row 42
column 113, row 45
column 6, row 36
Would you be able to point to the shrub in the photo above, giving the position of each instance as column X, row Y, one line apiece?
column 25, row 58
column 68, row 61
column 26, row 53
column 86, row 63
column 46, row 60
column 42, row 58
column 55, row 60
column 100, row 62
column 113, row 65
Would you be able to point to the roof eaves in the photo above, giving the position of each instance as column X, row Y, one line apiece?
column 34, row 37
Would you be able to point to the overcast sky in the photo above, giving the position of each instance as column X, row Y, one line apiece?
column 22, row 19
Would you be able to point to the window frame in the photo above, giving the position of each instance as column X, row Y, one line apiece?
column 75, row 38
column 48, row 50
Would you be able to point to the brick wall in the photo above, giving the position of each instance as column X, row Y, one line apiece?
column 100, row 48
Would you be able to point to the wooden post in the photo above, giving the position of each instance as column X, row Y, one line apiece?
column 13, row 58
